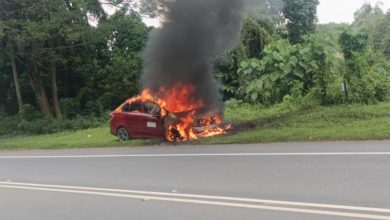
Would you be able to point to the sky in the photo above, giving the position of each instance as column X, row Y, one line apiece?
column 328, row 11
column 343, row 10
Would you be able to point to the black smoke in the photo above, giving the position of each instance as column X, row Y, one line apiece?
column 192, row 34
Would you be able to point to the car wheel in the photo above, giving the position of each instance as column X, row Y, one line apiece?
column 172, row 135
column 123, row 134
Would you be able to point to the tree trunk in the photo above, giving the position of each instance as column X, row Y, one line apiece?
column 65, row 91
column 15, row 74
column 36, row 84
column 323, row 89
column 346, row 91
column 54, row 90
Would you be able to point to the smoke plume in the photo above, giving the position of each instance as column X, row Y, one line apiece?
column 192, row 34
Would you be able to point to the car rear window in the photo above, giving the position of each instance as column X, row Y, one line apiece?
column 126, row 108
column 132, row 107
column 143, row 107
column 136, row 106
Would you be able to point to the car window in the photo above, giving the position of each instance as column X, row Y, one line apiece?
column 136, row 106
column 133, row 107
column 151, row 108
column 126, row 108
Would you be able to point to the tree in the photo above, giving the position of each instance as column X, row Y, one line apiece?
column 267, row 12
column 353, row 43
column 254, row 38
column 7, row 33
column 381, row 36
column 119, row 74
column 11, row 16
column 353, row 47
column 322, row 62
column 12, row 57
column 367, row 17
column 42, row 30
column 300, row 17
column 226, row 71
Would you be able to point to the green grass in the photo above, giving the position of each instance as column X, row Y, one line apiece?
column 95, row 137
column 343, row 122
column 252, row 124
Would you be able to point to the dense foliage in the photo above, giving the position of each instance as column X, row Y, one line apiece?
column 329, row 64
column 52, row 58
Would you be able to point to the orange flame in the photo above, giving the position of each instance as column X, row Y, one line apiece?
column 179, row 98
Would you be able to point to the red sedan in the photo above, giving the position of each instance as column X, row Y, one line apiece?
column 138, row 119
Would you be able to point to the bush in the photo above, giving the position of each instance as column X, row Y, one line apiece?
column 368, row 76
column 17, row 124
column 381, row 75
column 283, row 66
column 233, row 103
column 7, row 124
column 70, row 107
column 334, row 94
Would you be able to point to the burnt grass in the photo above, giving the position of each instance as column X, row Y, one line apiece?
column 273, row 121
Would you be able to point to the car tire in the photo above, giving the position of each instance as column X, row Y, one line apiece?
column 123, row 134
column 175, row 135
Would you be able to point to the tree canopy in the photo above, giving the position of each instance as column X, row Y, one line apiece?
column 57, row 56
column 300, row 16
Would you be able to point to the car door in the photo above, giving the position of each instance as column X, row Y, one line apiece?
column 150, row 126
column 141, row 124
column 134, row 124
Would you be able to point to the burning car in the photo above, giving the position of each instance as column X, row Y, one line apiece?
column 145, row 117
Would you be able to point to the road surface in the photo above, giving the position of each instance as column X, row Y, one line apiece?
column 339, row 180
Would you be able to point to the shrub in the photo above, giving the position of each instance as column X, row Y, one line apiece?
column 282, row 66
column 70, row 107
column 29, row 113
column 8, row 124
column 334, row 93
column 18, row 125
column 368, row 77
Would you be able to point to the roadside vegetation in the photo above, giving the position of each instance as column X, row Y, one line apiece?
column 284, row 122
column 310, row 123
column 288, row 78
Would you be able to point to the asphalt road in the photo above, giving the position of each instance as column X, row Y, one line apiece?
column 340, row 180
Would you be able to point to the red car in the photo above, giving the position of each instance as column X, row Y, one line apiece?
column 139, row 119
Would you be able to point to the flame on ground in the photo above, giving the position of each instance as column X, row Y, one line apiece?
column 180, row 108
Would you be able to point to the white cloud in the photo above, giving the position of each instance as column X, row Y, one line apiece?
column 343, row 10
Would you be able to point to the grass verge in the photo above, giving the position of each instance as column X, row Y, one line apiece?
column 253, row 124
column 343, row 122
column 94, row 137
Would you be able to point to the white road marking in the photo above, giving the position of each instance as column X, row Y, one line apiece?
column 201, row 155
column 208, row 200
column 205, row 197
